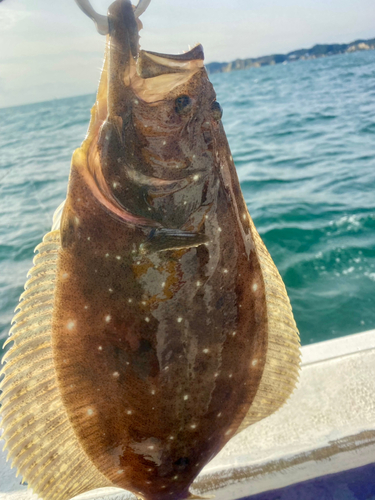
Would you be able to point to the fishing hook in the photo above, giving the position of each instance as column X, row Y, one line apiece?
column 101, row 22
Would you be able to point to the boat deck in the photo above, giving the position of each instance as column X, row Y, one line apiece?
column 322, row 440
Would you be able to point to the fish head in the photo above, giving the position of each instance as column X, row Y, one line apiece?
column 154, row 136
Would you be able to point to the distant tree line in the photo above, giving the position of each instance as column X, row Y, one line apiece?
column 313, row 53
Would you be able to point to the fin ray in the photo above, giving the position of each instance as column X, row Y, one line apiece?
column 280, row 374
column 38, row 435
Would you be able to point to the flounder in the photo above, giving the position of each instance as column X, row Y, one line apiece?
column 154, row 325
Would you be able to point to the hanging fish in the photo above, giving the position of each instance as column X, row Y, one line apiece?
column 154, row 325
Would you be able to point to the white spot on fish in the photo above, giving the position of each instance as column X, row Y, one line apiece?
column 254, row 287
column 234, row 334
column 153, row 392
column 194, row 157
column 254, row 362
column 196, row 177
column 143, row 303
column 186, row 397
column 108, row 318
column 225, row 271
column 116, row 374
column 179, row 320
column 175, row 477
column 151, row 447
column 205, row 351
column 216, row 375
column 129, row 412
column 219, row 415
column 107, row 254
column 229, row 431
column 231, row 158
column 166, row 368
column 185, row 202
column 199, row 283
column 193, row 426
column 118, row 257
column 219, row 229
column 88, row 238
column 115, row 185
column 163, row 284
column 90, row 412
column 138, row 262
column 110, row 290
column 244, row 216
column 171, row 438
column 71, row 324
column 147, row 319
column 230, row 375
column 130, row 301
column 164, row 143
column 86, row 307
column 100, row 348
column 120, row 471
column 64, row 275
column 136, row 101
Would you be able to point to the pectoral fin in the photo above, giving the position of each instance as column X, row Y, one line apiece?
column 171, row 239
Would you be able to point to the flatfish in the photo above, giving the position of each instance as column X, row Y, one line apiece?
column 154, row 325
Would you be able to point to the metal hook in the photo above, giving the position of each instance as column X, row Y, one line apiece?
column 141, row 7
column 101, row 22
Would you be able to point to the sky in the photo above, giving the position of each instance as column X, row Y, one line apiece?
column 50, row 49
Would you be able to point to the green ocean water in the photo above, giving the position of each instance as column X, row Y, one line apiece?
column 303, row 139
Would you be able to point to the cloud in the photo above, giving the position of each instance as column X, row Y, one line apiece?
column 10, row 18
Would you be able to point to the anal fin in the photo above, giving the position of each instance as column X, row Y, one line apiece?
column 38, row 435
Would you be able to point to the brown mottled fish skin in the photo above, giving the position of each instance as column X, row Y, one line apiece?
column 159, row 348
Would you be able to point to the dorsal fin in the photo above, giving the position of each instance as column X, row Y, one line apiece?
column 280, row 374
column 37, row 432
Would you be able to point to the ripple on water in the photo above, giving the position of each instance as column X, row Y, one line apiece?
column 302, row 139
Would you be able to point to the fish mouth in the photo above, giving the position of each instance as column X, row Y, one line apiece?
column 153, row 64
column 150, row 75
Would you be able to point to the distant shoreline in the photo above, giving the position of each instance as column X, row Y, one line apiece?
column 313, row 53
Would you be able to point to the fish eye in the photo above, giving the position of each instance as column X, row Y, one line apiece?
column 183, row 104
column 217, row 111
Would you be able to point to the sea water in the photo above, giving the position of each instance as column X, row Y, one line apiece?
column 303, row 140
